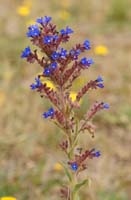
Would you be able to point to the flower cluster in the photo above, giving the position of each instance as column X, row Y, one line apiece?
column 61, row 67
column 79, row 161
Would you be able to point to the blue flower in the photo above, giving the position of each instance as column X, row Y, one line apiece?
column 87, row 44
column 47, row 39
column 100, row 85
column 33, row 31
column 43, row 20
column 63, row 53
column 26, row 52
column 75, row 53
column 36, row 84
column 106, row 106
column 66, row 31
column 55, row 37
column 55, row 55
column 45, row 115
column 99, row 79
column 86, row 62
column 33, row 86
column 49, row 113
column 54, row 65
column 47, row 71
column 74, row 166
column 97, row 153
column 90, row 61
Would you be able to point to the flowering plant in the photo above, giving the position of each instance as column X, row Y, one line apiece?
column 62, row 67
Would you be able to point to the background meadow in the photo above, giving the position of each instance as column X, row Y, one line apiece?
column 29, row 153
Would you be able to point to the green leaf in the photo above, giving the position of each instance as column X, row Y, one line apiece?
column 79, row 185
column 67, row 172
column 77, row 198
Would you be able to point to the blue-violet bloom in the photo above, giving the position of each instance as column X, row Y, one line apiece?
column 33, row 31
column 74, row 166
column 47, row 71
column 55, row 37
column 99, row 79
column 54, row 65
column 66, row 31
column 63, row 53
column 106, row 106
column 55, row 55
column 49, row 113
column 43, row 20
column 36, row 84
column 86, row 62
column 75, row 53
column 97, row 153
column 100, row 85
column 26, row 52
column 47, row 39
column 87, row 44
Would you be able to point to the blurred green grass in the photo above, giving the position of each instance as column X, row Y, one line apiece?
column 28, row 144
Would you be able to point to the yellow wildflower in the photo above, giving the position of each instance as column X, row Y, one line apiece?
column 2, row 98
column 64, row 15
column 48, row 83
column 58, row 167
column 7, row 198
column 23, row 10
column 73, row 96
column 101, row 50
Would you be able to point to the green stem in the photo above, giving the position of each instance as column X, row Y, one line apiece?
column 73, row 196
column 71, row 146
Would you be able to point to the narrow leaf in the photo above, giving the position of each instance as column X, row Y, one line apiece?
column 67, row 173
column 79, row 185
